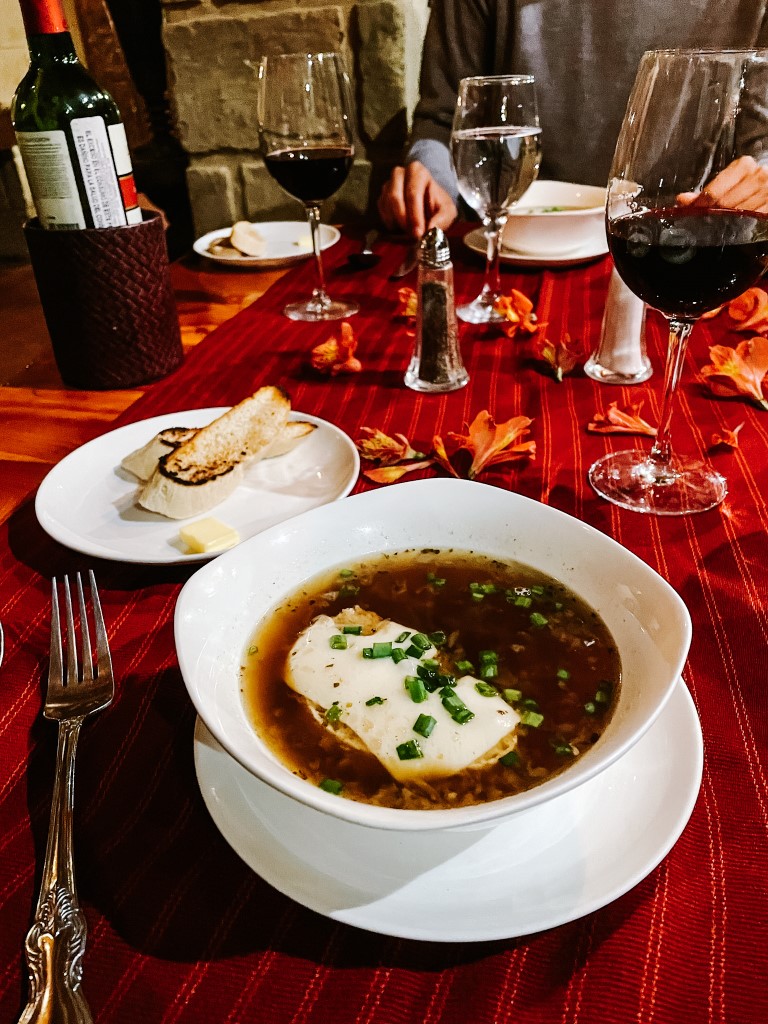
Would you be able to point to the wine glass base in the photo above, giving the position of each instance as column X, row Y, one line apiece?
column 479, row 312
column 609, row 375
column 631, row 480
column 312, row 312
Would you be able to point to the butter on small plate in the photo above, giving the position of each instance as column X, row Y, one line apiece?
column 208, row 535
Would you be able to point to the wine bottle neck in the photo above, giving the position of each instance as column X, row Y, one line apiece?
column 56, row 46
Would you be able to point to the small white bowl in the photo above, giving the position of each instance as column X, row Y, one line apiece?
column 555, row 218
column 221, row 605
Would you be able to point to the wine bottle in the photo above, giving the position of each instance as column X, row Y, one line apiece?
column 69, row 131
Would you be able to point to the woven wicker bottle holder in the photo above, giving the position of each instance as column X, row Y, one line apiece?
column 108, row 302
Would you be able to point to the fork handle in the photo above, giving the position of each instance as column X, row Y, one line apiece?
column 55, row 943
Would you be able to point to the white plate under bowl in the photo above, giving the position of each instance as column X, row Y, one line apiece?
column 221, row 605
column 475, row 241
column 87, row 501
column 547, row 866
column 286, row 242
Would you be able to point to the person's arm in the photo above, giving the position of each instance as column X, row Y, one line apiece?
column 459, row 42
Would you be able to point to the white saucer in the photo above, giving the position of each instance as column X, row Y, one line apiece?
column 286, row 242
column 541, row 868
column 475, row 240
column 87, row 501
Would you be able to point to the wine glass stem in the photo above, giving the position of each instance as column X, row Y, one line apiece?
column 661, row 453
column 313, row 216
column 492, row 282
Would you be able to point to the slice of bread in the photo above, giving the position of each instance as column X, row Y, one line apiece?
column 143, row 462
column 236, row 436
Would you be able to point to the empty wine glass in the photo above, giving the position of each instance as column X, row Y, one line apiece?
column 305, row 128
column 496, row 150
column 687, row 229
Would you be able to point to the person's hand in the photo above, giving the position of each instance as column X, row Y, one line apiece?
column 412, row 201
column 742, row 185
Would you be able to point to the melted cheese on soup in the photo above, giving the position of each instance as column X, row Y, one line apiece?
column 346, row 679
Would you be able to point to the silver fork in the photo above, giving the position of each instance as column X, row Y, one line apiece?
column 55, row 943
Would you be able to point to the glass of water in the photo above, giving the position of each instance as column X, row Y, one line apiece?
column 496, row 151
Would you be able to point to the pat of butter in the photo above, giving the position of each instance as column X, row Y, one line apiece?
column 209, row 535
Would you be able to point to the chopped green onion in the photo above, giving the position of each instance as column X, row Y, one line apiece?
column 349, row 590
column 338, row 643
column 331, row 786
column 402, row 637
column 477, row 596
column 447, row 691
column 512, row 696
column 398, row 654
column 353, row 630
column 489, row 671
column 430, row 662
column 537, row 619
column 430, row 677
column 382, row 649
column 465, row 666
column 511, row 759
column 367, row 652
column 563, row 673
column 346, row 573
column 523, row 602
column 538, row 591
column 562, row 748
column 590, row 707
column 374, row 700
column 486, row 690
column 436, row 581
column 420, row 640
column 438, row 638
column 603, row 694
column 462, row 716
column 416, row 689
column 531, row 704
column 424, row 725
column 333, row 713
column 488, row 657
column 532, row 718
column 409, row 751
column 456, row 708
column 413, row 651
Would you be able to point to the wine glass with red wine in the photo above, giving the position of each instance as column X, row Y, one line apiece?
column 687, row 222
column 305, row 127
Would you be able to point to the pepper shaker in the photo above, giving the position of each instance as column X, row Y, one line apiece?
column 620, row 357
column 436, row 364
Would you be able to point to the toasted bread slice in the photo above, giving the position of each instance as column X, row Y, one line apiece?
column 143, row 462
column 236, row 436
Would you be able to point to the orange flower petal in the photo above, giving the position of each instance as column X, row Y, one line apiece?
column 377, row 446
column 337, row 355
column 563, row 355
column 728, row 438
column 441, row 456
column 517, row 309
column 490, row 443
column 621, row 421
column 408, row 302
column 389, row 474
column 740, row 371
column 750, row 309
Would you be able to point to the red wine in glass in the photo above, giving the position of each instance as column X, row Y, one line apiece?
column 312, row 174
column 685, row 261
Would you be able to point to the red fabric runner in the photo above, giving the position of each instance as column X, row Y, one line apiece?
column 180, row 930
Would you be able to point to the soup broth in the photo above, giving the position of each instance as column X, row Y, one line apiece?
column 522, row 635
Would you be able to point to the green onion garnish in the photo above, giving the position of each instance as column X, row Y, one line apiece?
column 603, row 695
column 338, row 643
column 420, row 640
column 367, row 652
column 331, row 786
column 402, row 637
column 438, row 638
column 398, row 654
column 486, row 690
column 562, row 748
column 346, row 573
column 511, row 759
column 424, row 725
column 436, row 581
column 538, row 591
column 590, row 707
column 489, row 671
column 382, row 649
column 537, row 619
column 532, row 718
column 409, row 751
column 456, row 708
column 353, row 630
column 374, row 700
column 416, row 689
column 523, row 602
column 430, row 662
column 488, row 657
column 333, row 713
column 512, row 696
column 563, row 673
column 413, row 651
column 531, row 704
column 349, row 590
column 465, row 666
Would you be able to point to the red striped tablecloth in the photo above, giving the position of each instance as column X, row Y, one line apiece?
column 180, row 930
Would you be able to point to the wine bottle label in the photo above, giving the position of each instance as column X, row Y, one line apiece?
column 97, row 168
column 51, row 179
column 124, row 168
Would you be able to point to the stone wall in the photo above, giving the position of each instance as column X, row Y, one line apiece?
column 212, row 48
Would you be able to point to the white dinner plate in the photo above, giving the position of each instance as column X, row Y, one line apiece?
column 286, row 242
column 540, row 868
column 475, row 240
column 87, row 501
